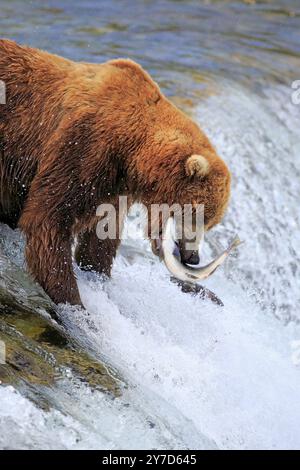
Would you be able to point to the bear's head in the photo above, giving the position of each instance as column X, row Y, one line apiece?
column 176, row 165
column 168, row 159
column 199, row 182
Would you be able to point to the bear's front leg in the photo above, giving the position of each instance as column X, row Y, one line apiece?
column 92, row 254
column 49, row 260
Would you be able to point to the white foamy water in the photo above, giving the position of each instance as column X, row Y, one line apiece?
column 258, row 136
column 199, row 376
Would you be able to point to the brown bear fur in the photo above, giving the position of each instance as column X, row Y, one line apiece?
column 74, row 135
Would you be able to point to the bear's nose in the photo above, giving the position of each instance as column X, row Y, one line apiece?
column 190, row 257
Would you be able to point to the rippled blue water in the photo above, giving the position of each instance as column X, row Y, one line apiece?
column 177, row 41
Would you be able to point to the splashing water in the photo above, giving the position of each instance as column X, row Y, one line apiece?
column 259, row 138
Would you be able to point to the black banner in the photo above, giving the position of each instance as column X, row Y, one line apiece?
column 136, row 459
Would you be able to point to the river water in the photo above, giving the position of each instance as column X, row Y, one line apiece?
column 197, row 375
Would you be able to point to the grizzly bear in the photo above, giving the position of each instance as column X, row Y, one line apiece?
column 74, row 135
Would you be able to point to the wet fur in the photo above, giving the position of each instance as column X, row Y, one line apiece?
column 75, row 135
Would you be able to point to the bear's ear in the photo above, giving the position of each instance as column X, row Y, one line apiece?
column 197, row 165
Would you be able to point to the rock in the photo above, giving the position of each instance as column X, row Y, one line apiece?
column 39, row 351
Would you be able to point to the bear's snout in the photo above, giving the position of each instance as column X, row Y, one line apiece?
column 188, row 256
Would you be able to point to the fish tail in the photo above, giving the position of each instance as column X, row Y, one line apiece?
column 235, row 243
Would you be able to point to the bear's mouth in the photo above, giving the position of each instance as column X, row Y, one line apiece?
column 169, row 249
column 185, row 256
